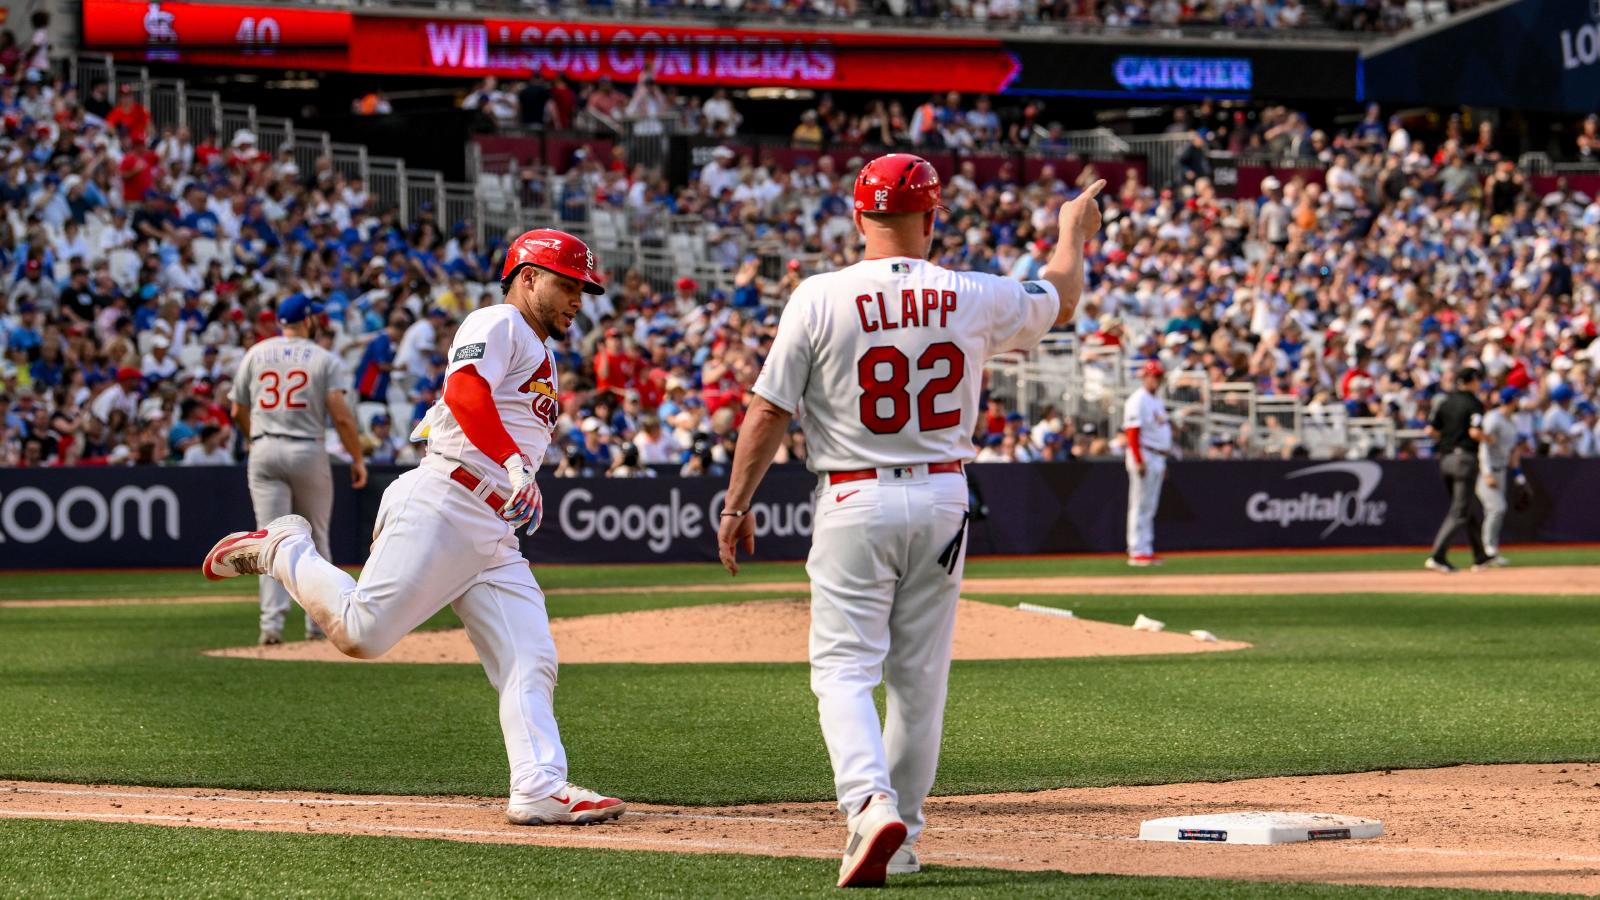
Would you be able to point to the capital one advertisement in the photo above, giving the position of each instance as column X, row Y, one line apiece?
column 283, row 37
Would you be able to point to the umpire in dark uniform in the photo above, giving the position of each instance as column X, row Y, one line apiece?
column 1456, row 430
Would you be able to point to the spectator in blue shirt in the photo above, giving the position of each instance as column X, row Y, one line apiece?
column 377, row 361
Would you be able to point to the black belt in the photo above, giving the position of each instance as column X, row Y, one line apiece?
column 281, row 437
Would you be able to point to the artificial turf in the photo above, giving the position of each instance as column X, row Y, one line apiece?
column 88, row 859
column 1334, row 684
column 123, row 583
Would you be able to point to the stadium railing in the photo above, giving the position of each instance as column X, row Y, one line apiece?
column 173, row 104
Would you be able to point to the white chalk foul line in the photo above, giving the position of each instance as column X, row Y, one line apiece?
column 712, row 817
column 527, row 835
column 309, row 801
column 435, row 804
column 536, row 836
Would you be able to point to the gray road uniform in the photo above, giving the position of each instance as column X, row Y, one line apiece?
column 1494, row 458
column 284, row 382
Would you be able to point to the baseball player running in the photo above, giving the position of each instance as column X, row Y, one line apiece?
column 1499, row 459
column 285, row 391
column 446, row 531
column 1149, row 434
column 886, row 357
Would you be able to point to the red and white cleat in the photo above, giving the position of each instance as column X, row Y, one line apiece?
column 247, row 552
column 574, row 805
column 875, row 834
column 1143, row 561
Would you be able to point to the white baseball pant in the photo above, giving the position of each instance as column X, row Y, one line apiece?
column 1494, row 508
column 1144, row 494
column 435, row 544
column 288, row 476
column 883, row 608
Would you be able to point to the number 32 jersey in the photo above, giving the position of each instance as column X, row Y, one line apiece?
column 284, row 382
column 887, row 357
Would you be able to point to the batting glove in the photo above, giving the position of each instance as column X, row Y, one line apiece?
column 526, row 505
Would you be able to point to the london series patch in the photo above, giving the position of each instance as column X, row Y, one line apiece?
column 470, row 351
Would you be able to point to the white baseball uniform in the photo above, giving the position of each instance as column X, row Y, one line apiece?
column 1146, row 412
column 284, row 382
column 439, row 542
column 886, row 359
column 1494, row 458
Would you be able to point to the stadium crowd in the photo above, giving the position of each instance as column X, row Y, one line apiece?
column 1355, row 15
column 138, row 264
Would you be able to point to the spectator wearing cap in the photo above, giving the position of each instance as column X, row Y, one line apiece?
column 33, row 287
column 122, row 396
column 686, row 296
column 1030, row 264
column 130, row 117
column 159, row 364
column 656, row 445
column 1558, row 418
column 139, row 167
column 379, row 444
column 210, row 449
column 594, row 445
column 186, row 430
column 616, row 366
column 1585, row 438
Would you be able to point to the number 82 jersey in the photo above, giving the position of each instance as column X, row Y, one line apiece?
column 887, row 357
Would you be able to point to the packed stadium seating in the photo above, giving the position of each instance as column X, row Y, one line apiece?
column 1307, row 288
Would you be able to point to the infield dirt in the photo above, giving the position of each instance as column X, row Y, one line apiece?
column 765, row 631
column 1523, row 827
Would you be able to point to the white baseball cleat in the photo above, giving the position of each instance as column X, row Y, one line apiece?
column 249, row 552
column 1443, row 568
column 904, row 862
column 574, row 805
column 268, row 638
column 1497, row 562
column 876, row 832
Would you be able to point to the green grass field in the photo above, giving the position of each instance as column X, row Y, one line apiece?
column 1334, row 683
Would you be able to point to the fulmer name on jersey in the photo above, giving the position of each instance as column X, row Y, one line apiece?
column 916, row 309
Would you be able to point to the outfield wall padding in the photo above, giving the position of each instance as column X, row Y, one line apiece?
column 97, row 517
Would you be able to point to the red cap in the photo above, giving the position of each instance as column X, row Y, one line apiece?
column 1151, row 367
column 687, row 285
column 897, row 183
column 794, row 264
column 557, row 252
column 129, row 373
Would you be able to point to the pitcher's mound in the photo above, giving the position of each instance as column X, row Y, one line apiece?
column 766, row 631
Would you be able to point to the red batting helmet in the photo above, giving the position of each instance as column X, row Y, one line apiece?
column 897, row 183
column 1152, row 367
column 561, row 253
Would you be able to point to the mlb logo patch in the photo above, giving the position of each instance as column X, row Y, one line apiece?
column 900, row 268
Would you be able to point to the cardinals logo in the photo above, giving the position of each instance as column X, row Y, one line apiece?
column 542, row 381
column 546, row 406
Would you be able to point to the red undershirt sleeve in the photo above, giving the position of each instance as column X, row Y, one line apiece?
column 471, row 401
column 1133, row 445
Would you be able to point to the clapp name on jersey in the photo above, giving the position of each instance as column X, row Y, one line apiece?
column 917, row 309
